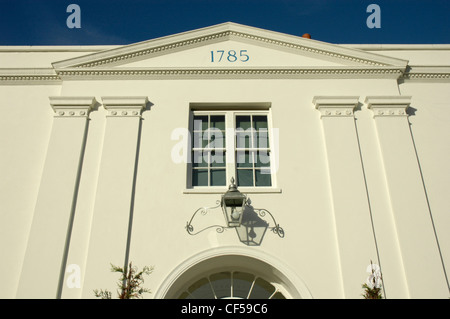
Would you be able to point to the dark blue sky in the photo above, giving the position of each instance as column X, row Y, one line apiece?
column 43, row 22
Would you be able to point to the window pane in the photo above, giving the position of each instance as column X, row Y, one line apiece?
column 200, row 177
column 261, row 139
column 260, row 122
column 218, row 177
column 198, row 140
column 278, row 295
column 263, row 177
column 243, row 121
column 201, row 139
column 262, row 159
column 218, row 121
column 217, row 138
column 244, row 159
column 200, row 122
column 221, row 284
column 201, row 289
column 218, row 159
column 245, row 177
column 242, row 282
column 200, row 159
column 185, row 295
column 243, row 139
column 262, row 289
column 205, row 140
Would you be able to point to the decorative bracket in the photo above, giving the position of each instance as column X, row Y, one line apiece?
column 388, row 105
column 130, row 106
column 277, row 229
column 203, row 211
column 335, row 106
column 72, row 106
column 248, row 220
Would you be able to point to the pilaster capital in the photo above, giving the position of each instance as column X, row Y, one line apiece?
column 335, row 106
column 72, row 106
column 129, row 106
column 388, row 105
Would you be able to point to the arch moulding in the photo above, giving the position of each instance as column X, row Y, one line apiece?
column 266, row 265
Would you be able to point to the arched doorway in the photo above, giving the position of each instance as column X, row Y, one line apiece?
column 232, row 272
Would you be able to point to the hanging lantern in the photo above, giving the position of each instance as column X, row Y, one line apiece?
column 233, row 204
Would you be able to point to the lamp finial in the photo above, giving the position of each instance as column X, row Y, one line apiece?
column 232, row 185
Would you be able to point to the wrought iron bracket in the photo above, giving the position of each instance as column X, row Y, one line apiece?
column 203, row 211
column 277, row 229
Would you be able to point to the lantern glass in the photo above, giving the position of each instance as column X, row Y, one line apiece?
column 233, row 203
column 252, row 229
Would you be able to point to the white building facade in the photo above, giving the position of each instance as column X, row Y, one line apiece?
column 109, row 154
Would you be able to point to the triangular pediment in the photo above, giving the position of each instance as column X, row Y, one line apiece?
column 230, row 53
column 226, row 46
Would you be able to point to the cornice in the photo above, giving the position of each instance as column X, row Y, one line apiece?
column 29, row 76
column 254, row 72
column 438, row 77
column 335, row 106
column 428, row 73
column 388, row 106
column 72, row 106
column 52, row 77
column 32, row 78
column 124, row 106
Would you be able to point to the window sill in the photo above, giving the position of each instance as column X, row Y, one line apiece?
column 222, row 190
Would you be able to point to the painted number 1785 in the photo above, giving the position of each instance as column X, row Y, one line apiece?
column 230, row 55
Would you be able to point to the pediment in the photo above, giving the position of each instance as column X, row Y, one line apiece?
column 229, row 53
column 229, row 46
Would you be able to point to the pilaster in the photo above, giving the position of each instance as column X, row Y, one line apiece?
column 354, row 234
column 113, row 208
column 422, row 263
column 50, row 231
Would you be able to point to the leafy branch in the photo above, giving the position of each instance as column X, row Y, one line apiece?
column 130, row 283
